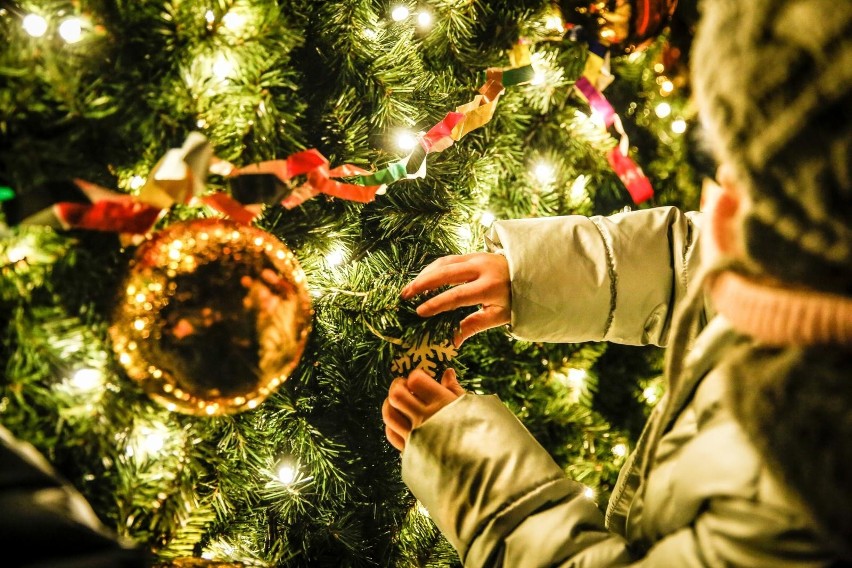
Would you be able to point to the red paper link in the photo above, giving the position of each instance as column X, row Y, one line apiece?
column 123, row 216
column 319, row 179
column 439, row 137
column 631, row 175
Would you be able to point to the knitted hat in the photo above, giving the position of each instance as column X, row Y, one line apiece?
column 773, row 81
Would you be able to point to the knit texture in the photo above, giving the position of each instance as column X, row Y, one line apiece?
column 773, row 81
column 782, row 316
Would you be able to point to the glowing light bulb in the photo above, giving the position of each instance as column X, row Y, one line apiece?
column 136, row 182
column 85, row 380
column 222, row 67
column 663, row 110
column 544, row 172
column 406, row 141
column 619, row 450
column 486, row 219
column 233, row 21
column 650, row 395
column 335, row 257
column 370, row 33
column 399, row 13
column 18, row 253
column 210, row 16
column 71, row 30
column 154, row 441
column 422, row 510
column 577, row 377
column 659, row 67
column 286, row 474
column 34, row 25
column 679, row 126
column 667, row 87
column 424, row 19
column 589, row 493
column 538, row 78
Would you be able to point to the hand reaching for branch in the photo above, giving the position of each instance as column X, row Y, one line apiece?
column 412, row 401
column 477, row 279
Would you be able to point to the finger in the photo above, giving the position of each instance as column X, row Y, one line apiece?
column 403, row 400
column 486, row 318
column 408, row 291
column 470, row 294
column 425, row 387
column 395, row 439
column 449, row 380
column 457, row 273
column 395, row 420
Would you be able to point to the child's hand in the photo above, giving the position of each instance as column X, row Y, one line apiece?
column 480, row 278
column 412, row 401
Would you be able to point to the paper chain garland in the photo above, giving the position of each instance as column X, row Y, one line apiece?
column 180, row 176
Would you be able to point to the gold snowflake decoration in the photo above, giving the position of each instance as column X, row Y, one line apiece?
column 424, row 355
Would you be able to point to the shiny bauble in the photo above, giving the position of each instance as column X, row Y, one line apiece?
column 624, row 26
column 212, row 317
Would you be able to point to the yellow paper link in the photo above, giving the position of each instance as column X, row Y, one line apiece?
column 519, row 55
column 477, row 113
column 180, row 174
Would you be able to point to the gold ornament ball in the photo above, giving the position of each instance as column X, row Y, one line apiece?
column 212, row 317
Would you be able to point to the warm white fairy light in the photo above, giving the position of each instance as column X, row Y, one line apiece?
column 486, row 219
column 370, row 33
column 86, row 380
column 71, row 30
column 34, row 25
column 576, row 377
column 148, row 440
column 222, row 67
column 136, row 182
column 406, row 140
column 464, row 233
column 663, row 110
column 335, row 257
column 589, row 493
column 234, row 21
column 400, row 13
column 650, row 395
column 619, row 450
column 286, row 473
column 544, row 172
column 209, row 16
column 422, row 509
column 18, row 252
column 539, row 77
column 678, row 126
column 553, row 23
column 666, row 87
column 424, row 19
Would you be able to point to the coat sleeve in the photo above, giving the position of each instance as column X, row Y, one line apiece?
column 618, row 278
column 498, row 496
column 501, row 501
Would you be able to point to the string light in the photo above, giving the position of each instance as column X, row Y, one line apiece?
column 286, row 473
column 233, row 21
column 400, row 13
column 464, row 233
column 222, row 67
column 148, row 440
column 71, row 30
column 424, row 19
column 486, row 219
column 544, row 172
column 666, row 87
column 422, row 509
column 370, row 33
column 86, row 380
column 589, row 493
column 576, row 377
column 553, row 23
column 18, row 252
column 619, row 450
column 34, row 25
column 210, row 16
column 663, row 110
column 136, row 182
column 538, row 78
column 335, row 257
column 679, row 126
column 659, row 67
column 406, row 140
column 650, row 395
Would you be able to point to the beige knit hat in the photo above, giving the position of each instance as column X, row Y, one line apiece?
column 773, row 82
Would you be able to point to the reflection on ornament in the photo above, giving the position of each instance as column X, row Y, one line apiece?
column 212, row 317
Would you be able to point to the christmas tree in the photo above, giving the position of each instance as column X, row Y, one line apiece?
column 561, row 107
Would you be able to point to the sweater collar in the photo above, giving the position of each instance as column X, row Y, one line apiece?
column 775, row 315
